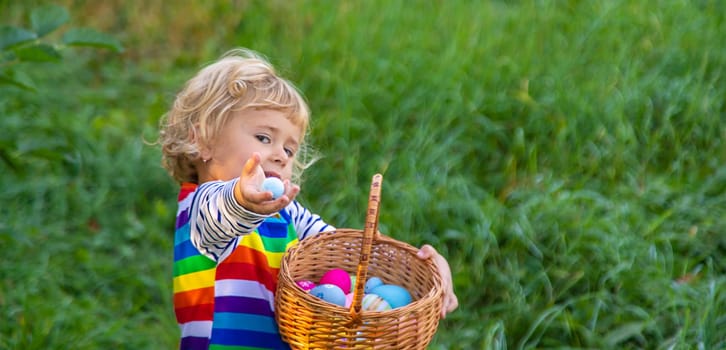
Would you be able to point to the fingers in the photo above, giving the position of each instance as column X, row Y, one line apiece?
column 426, row 252
column 450, row 302
column 291, row 190
column 249, row 194
column 241, row 194
column 453, row 303
column 261, row 202
column 254, row 195
column 250, row 167
column 267, row 205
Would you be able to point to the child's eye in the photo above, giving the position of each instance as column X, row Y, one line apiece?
column 263, row 138
column 290, row 152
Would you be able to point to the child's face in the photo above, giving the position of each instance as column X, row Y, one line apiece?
column 267, row 132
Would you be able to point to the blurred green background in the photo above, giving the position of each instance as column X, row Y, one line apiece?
column 567, row 157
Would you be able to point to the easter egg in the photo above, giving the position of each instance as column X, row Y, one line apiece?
column 274, row 185
column 348, row 299
column 305, row 284
column 330, row 293
column 395, row 295
column 337, row 277
column 373, row 302
column 371, row 283
column 352, row 281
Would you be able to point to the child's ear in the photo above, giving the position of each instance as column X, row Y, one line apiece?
column 205, row 152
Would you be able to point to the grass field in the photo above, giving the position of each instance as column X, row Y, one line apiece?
column 567, row 157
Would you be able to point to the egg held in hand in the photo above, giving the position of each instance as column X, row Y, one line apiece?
column 274, row 185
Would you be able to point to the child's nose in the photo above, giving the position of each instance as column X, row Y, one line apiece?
column 279, row 155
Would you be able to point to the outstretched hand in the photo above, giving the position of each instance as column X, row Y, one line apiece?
column 450, row 302
column 249, row 193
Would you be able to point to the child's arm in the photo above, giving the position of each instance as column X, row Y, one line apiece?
column 306, row 223
column 217, row 219
column 249, row 195
column 223, row 211
column 451, row 302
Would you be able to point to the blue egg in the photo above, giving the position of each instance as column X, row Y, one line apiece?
column 330, row 293
column 371, row 283
column 275, row 186
column 395, row 295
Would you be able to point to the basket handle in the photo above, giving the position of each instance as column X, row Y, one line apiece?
column 370, row 232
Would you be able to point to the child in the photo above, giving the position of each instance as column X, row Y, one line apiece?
column 234, row 124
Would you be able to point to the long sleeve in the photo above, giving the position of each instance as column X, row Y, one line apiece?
column 306, row 223
column 218, row 220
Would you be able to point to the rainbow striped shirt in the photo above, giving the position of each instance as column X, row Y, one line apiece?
column 238, row 253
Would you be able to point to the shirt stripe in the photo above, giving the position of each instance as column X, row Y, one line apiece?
column 252, row 338
column 242, row 271
column 192, row 264
column 243, row 305
column 194, row 280
column 198, row 328
column 193, row 297
column 196, row 312
column 257, row 323
column 194, row 343
column 250, row 289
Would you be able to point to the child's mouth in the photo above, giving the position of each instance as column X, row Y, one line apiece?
column 272, row 174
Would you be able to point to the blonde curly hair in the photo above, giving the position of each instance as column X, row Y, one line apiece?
column 240, row 79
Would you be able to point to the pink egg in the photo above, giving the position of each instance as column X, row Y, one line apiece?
column 337, row 277
column 305, row 285
column 348, row 299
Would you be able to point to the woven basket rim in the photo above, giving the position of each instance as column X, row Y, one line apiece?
column 306, row 321
column 435, row 292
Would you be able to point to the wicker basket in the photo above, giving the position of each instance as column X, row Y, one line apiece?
column 307, row 322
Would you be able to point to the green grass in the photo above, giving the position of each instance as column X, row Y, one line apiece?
column 567, row 157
